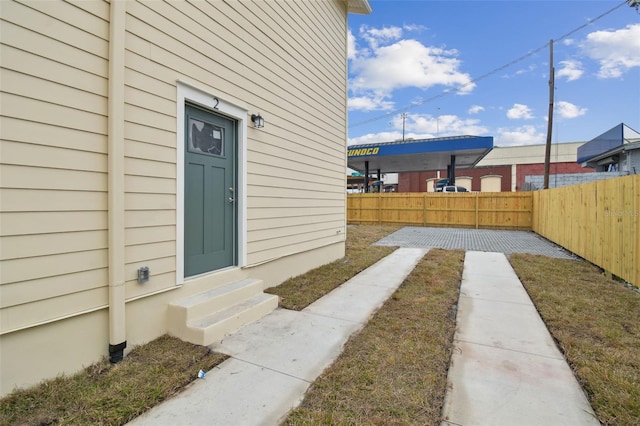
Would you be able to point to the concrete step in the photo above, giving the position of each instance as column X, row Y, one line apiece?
column 216, row 299
column 206, row 317
column 215, row 327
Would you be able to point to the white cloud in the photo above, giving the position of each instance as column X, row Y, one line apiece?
column 526, row 70
column 571, row 69
column 351, row 45
column 375, row 138
column 408, row 63
column 448, row 125
column 414, row 27
column 521, row 71
column 519, row 112
column 385, row 35
column 425, row 125
column 568, row 110
column 525, row 135
column 617, row 51
column 369, row 103
column 475, row 109
column 419, row 126
column 376, row 36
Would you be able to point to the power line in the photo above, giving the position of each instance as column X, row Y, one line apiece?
column 490, row 73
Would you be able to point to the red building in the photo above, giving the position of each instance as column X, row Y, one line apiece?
column 511, row 164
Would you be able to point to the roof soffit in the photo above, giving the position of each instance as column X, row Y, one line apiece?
column 361, row 7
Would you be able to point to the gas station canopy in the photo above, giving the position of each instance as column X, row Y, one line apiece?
column 419, row 155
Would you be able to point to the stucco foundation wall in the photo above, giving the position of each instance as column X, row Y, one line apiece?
column 62, row 347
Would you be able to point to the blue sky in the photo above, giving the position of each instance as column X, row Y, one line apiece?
column 430, row 60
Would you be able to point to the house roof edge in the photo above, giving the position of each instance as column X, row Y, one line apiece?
column 361, row 7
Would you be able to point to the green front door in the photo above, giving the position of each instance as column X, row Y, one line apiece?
column 210, row 192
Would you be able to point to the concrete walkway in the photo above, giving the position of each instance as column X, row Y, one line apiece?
column 274, row 360
column 505, row 367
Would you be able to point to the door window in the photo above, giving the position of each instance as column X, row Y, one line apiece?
column 205, row 138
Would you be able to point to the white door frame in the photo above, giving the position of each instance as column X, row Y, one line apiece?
column 193, row 93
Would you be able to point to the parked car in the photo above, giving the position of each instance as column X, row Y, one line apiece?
column 441, row 183
column 451, row 188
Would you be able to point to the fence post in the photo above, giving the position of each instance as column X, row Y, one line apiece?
column 477, row 215
column 424, row 209
column 379, row 208
column 636, row 214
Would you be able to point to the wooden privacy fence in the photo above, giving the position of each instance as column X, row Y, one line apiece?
column 598, row 221
column 496, row 210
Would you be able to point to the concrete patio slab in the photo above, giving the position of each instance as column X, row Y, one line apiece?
column 489, row 240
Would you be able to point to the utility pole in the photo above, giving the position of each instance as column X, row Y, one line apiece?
column 547, row 152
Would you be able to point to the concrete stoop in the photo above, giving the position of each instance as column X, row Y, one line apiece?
column 207, row 317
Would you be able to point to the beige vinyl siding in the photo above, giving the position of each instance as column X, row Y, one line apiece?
column 285, row 59
column 299, row 174
column 150, row 166
column 54, row 124
column 150, row 184
column 53, row 183
column 293, row 74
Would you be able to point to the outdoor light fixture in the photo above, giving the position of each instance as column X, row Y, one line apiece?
column 258, row 121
